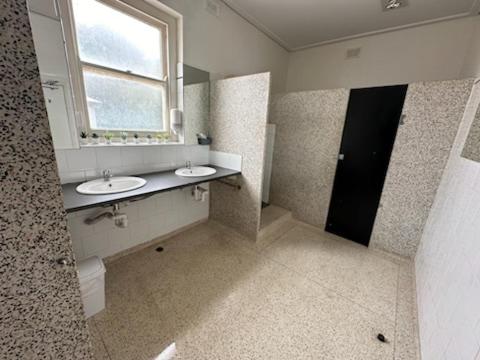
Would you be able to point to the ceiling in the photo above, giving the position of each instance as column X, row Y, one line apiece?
column 299, row 24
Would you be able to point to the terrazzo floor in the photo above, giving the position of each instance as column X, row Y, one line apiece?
column 270, row 214
column 305, row 295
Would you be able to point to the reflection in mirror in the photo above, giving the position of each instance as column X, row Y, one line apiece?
column 196, row 103
column 471, row 149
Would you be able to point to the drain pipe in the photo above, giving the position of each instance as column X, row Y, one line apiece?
column 119, row 219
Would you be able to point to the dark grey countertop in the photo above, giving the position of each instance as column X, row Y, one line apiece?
column 156, row 182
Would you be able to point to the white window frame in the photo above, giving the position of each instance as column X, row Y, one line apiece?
column 146, row 13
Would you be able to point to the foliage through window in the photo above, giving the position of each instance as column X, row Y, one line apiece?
column 124, row 68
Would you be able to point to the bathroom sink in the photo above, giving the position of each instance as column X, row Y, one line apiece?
column 195, row 171
column 111, row 186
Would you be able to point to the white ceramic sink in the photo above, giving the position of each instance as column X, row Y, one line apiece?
column 195, row 171
column 113, row 185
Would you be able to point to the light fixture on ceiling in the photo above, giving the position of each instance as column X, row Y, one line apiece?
column 393, row 4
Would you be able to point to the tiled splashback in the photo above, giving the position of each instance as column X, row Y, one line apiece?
column 88, row 162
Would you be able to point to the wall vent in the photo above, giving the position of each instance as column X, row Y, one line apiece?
column 353, row 53
column 389, row 5
column 213, row 7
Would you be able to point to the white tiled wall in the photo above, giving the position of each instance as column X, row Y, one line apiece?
column 149, row 218
column 226, row 160
column 448, row 260
column 88, row 162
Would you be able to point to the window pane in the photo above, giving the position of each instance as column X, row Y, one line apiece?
column 123, row 104
column 113, row 39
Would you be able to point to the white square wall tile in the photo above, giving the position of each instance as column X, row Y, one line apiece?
column 226, row 160
column 159, row 155
column 61, row 159
column 97, row 244
column 78, row 229
column 147, row 207
column 139, row 232
column 82, row 159
column 108, row 157
column 78, row 249
column 132, row 157
column 119, row 240
column 164, row 202
column 72, row 176
column 198, row 154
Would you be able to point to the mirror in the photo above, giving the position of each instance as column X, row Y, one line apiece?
column 196, row 103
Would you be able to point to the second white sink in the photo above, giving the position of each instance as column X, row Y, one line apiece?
column 195, row 171
column 111, row 186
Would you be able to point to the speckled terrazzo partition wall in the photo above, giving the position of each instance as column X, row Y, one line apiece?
column 308, row 134
column 238, row 120
column 471, row 149
column 41, row 315
column 433, row 113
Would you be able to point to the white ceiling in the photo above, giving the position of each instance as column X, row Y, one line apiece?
column 299, row 24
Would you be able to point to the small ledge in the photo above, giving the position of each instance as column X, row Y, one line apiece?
column 157, row 182
column 136, row 145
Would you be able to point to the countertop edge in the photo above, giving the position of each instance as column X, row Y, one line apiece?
column 70, row 187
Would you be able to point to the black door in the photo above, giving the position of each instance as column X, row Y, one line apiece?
column 369, row 132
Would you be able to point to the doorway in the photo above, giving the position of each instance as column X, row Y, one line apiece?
column 371, row 124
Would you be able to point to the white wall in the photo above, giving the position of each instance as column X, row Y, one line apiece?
column 448, row 259
column 148, row 219
column 431, row 52
column 228, row 45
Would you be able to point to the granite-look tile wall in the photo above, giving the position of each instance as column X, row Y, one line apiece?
column 471, row 149
column 196, row 103
column 41, row 314
column 433, row 113
column 448, row 258
column 238, row 120
column 308, row 135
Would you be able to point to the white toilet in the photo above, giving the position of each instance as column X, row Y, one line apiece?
column 91, row 273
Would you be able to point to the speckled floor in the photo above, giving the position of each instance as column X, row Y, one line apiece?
column 270, row 214
column 306, row 295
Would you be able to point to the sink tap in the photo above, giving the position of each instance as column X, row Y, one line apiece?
column 188, row 165
column 107, row 174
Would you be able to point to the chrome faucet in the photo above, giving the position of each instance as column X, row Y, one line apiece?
column 188, row 164
column 107, row 174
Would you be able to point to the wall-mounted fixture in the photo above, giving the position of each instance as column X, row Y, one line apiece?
column 176, row 123
column 393, row 4
column 353, row 53
column 213, row 7
column 199, row 193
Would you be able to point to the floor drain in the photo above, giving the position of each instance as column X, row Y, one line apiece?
column 159, row 249
column 381, row 338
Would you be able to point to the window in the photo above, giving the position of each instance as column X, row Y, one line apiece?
column 122, row 63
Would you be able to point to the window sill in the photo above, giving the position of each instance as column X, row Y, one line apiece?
column 129, row 144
